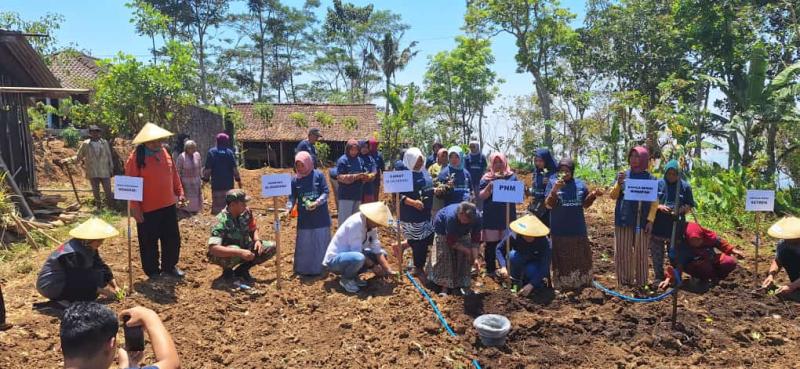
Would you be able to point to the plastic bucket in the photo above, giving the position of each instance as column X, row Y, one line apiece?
column 492, row 329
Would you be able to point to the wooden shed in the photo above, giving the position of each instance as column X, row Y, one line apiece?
column 290, row 124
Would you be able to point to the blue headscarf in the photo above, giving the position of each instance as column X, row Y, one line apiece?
column 456, row 150
column 549, row 162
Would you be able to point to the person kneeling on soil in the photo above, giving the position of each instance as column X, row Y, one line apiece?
column 696, row 255
column 234, row 240
column 787, row 256
column 75, row 271
column 89, row 338
column 529, row 255
column 355, row 248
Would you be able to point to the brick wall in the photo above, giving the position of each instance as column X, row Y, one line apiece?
column 201, row 126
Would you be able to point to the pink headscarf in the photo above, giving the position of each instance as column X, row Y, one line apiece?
column 308, row 164
column 490, row 175
column 644, row 159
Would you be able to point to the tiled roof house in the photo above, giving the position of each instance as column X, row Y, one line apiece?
column 285, row 133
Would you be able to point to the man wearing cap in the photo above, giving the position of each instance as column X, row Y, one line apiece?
column 308, row 145
column 529, row 254
column 221, row 169
column 95, row 154
column 156, row 215
column 235, row 241
column 356, row 248
column 787, row 256
column 75, row 271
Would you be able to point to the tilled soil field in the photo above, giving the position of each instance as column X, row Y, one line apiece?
column 312, row 323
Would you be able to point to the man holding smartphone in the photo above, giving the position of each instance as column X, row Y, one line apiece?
column 88, row 338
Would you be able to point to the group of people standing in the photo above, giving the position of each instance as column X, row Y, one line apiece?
column 445, row 220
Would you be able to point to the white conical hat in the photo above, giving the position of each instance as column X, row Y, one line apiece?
column 94, row 229
column 530, row 226
column 786, row 229
column 377, row 212
column 150, row 132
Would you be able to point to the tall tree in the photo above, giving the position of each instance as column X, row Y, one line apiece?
column 389, row 58
column 541, row 30
column 149, row 22
column 194, row 20
column 460, row 84
column 46, row 25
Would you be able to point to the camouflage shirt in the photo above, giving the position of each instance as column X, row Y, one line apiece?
column 233, row 231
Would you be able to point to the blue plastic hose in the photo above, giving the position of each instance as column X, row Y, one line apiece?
column 660, row 297
column 438, row 313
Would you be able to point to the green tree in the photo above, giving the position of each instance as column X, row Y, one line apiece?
column 46, row 25
column 193, row 20
column 129, row 93
column 541, row 31
column 459, row 84
column 149, row 22
column 388, row 58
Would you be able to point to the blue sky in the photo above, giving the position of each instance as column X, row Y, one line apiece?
column 103, row 29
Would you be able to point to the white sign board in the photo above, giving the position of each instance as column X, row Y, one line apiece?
column 398, row 181
column 128, row 188
column 508, row 191
column 276, row 185
column 641, row 190
column 760, row 200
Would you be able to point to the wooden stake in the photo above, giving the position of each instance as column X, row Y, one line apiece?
column 758, row 243
column 399, row 235
column 130, row 257
column 508, row 240
column 277, row 243
column 72, row 182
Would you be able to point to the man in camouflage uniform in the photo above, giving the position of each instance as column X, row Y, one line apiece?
column 234, row 241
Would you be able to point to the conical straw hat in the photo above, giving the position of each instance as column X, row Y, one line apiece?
column 94, row 229
column 786, row 229
column 150, row 132
column 377, row 212
column 530, row 226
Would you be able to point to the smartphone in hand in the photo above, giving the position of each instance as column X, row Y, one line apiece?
column 134, row 337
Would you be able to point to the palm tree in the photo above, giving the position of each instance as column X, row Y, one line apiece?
column 387, row 56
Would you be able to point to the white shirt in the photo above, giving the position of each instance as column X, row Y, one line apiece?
column 352, row 236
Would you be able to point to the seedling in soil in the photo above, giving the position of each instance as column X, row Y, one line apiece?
column 709, row 319
column 756, row 335
column 121, row 293
column 604, row 256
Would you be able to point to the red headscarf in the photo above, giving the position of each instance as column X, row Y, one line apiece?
column 644, row 158
column 694, row 230
column 490, row 175
column 308, row 164
column 373, row 146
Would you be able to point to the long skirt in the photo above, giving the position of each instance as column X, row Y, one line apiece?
column 309, row 250
column 630, row 256
column 448, row 267
column 347, row 208
column 192, row 190
column 218, row 201
column 572, row 262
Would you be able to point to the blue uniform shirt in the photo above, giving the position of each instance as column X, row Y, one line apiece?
column 222, row 163
column 462, row 185
column 348, row 165
column 566, row 217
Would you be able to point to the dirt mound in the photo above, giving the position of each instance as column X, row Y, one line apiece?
column 311, row 323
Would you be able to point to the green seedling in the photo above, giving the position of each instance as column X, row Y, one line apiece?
column 604, row 256
column 121, row 293
column 756, row 335
column 709, row 319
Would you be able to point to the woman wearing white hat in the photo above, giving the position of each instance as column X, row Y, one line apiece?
column 787, row 254
column 75, row 271
column 529, row 256
column 355, row 248
column 156, row 215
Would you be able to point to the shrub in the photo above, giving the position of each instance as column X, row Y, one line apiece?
column 324, row 119
column 323, row 152
column 71, row 136
column 299, row 119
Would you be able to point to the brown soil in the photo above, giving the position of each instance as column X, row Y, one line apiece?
column 312, row 323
